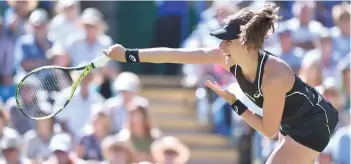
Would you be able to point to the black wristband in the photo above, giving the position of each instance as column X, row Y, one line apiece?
column 132, row 56
column 238, row 107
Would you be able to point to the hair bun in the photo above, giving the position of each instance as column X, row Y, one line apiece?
column 270, row 11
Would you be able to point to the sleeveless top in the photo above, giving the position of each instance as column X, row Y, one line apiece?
column 298, row 101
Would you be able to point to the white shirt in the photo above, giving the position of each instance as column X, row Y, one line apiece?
column 119, row 112
column 61, row 28
column 81, row 51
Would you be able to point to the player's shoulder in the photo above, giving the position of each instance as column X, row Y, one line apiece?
column 275, row 70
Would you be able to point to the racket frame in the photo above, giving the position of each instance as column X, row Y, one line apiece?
column 86, row 70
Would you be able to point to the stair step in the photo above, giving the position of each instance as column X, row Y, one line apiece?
column 180, row 124
column 170, row 109
column 225, row 154
column 169, row 94
column 161, row 81
column 186, row 131
column 203, row 140
column 209, row 161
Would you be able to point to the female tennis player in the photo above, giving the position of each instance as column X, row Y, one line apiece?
column 305, row 120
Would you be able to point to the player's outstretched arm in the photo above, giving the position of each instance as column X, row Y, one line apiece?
column 166, row 55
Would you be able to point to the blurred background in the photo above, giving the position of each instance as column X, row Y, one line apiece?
column 128, row 113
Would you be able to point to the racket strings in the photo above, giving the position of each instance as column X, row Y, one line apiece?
column 43, row 92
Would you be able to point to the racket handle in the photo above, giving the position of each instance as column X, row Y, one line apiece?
column 100, row 61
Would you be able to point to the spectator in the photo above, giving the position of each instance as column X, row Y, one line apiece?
column 290, row 54
column 311, row 71
column 304, row 28
column 117, row 150
column 16, row 16
column 11, row 150
column 66, row 22
column 140, row 131
column 341, row 33
column 127, row 84
column 18, row 120
column 338, row 149
column 85, row 47
column 329, row 90
column 5, row 130
column 325, row 52
column 108, row 74
column 58, row 56
column 6, row 58
column 96, row 131
column 36, row 141
column 61, row 147
column 170, row 150
column 344, row 68
column 77, row 113
column 30, row 50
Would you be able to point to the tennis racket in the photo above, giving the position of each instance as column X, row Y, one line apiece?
column 47, row 90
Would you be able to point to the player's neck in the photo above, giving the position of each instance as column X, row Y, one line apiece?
column 248, row 64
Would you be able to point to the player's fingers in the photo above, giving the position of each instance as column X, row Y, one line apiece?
column 209, row 84
column 217, row 85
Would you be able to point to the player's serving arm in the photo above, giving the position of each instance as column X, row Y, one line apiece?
column 303, row 117
column 208, row 55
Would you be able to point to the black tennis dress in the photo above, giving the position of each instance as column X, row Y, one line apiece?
column 307, row 117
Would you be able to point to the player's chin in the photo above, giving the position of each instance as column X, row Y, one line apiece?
column 228, row 60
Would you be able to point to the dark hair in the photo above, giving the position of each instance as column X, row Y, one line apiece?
column 256, row 25
column 147, row 118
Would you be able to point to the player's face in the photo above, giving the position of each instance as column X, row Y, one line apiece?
column 229, row 48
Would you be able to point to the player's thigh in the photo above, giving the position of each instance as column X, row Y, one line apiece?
column 291, row 152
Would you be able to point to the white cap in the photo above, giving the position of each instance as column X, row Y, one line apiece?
column 127, row 81
column 66, row 3
column 38, row 17
column 60, row 141
column 10, row 141
column 91, row 16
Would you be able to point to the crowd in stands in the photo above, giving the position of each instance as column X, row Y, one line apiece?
column 107, row 121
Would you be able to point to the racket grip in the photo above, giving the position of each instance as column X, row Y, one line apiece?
column 100, row 61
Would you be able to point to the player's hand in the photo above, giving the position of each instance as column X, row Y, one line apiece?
column 229, row 97
column 115, row 52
